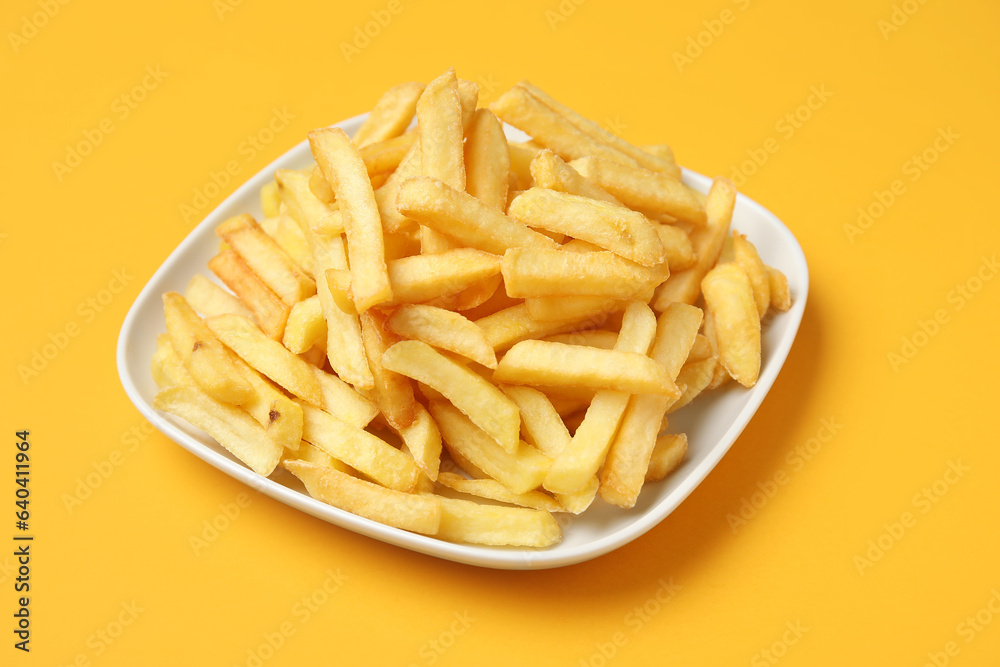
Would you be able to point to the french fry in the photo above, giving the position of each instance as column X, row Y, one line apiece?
column 521, row 470
column 483, row 403
column 512, row 325
column 594, row 130
column 391, row 114
column 422, row 440
column 338, row 158
column 267, row 356
column 781, row 298
column 439, row 123
column 230, row 426
column 343, row 401
column 270, row 201
column 707, row 240
column 309, row 454
column 729, row 297
column 209, row 299
column 475, row 523
column 577, row 464
column 384, row 157
column 628, row 458
column 487, row 160
column 269, row 311
column 525, row 112
column 393, row 392
column 408, row 511
column 577, row 503
column 266, row 259
column 719, row 374
column 593, row 337
column 548, row 170
column 421, row 278
column 304, row 206
column 166, row 367
column 538, row 272
column 667, row 455
column 471, row 297
column 549, row 308
column 443, row 329
column 521, row 157
column 464, row 218
column 202, row 354
column 677, row 247
column 622, row 231
column 702, row 349
column 745, row 254
column 319, row 187
column 366, row 453
column 288, row 234
column 468, row 95
column 542, row 363
column 695, row 376
column 643, row 189
column 542, row 425
column 494, row 490
column 305, row 327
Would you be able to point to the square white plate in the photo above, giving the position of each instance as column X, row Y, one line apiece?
column 712, row 422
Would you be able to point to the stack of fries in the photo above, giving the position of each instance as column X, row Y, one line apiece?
column 439, row 299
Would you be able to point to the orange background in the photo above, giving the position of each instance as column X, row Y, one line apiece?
column 116, row 580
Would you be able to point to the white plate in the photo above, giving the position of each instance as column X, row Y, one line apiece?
column 712, row 422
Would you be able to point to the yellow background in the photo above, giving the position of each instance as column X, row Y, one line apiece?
column 793, row 562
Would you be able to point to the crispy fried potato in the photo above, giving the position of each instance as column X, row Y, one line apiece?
column 443, row 329
column 391, row 114
column 422, row 440
column 667, row 455
column 267, row 259
column 209, row 299
column 270, row 200
column 269, row 310
column 343, row 401
column 593, row 337
column 512, row 325
column 781, row 298
column 421, row 278
column 305, row 327
column 166, row 367
column 304, row 206
column 745, row 254
column 475, row 523
column 521, row 156
column 541, row 272
column 550, row 171
column 695, row 376
column 491, row 489
column 487, row 160
column 677, row 247
column 729, row 297
column 393, row 392
column 542, row 425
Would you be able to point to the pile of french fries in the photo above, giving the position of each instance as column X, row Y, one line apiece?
column 458, row 335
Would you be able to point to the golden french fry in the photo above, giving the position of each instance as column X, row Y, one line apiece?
column 166, row 367
column 468, row 95
column 384, row 157
column 576, row 465
column 471, row 297
column 409, row 511
column 464, row 218
column 643, row 189
column 612, row 227
column 594, row 130
column 543, row 426
column 491, row 489
column 781, row 298
column 702, row 349
column 341, row 164
column 366, row 453
column 202, row 354
column 548, row 170
column 677, row 246
column 443, row 329
column 269, row 310
column 319, row 187
column 521, row 156
column 288, row 234
column 439, row 123
column 628, row 458
column 514, row 324
column 541, row 272
column 391, row 114
column 729, row 297
column 667, row 455
column 267, row 356
column 305, row 327
column 230, row 426
column 719, row 374
column 745, row 254
column 421, row 278
column 487, row 160
column 393, row 392
column 521, row 470
column 593, row 337
column 422, row 440
column 475, row 523
column 707, row 240
column 343, row 401
column 209, row 299
column 536, row 362
column 572, row 307
column 576, row 503
column 304, row 206
column 309, row 454
column 266, row 258
column 484, row 404
column 548, row 128
column 695, row 376
column 270, row 201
